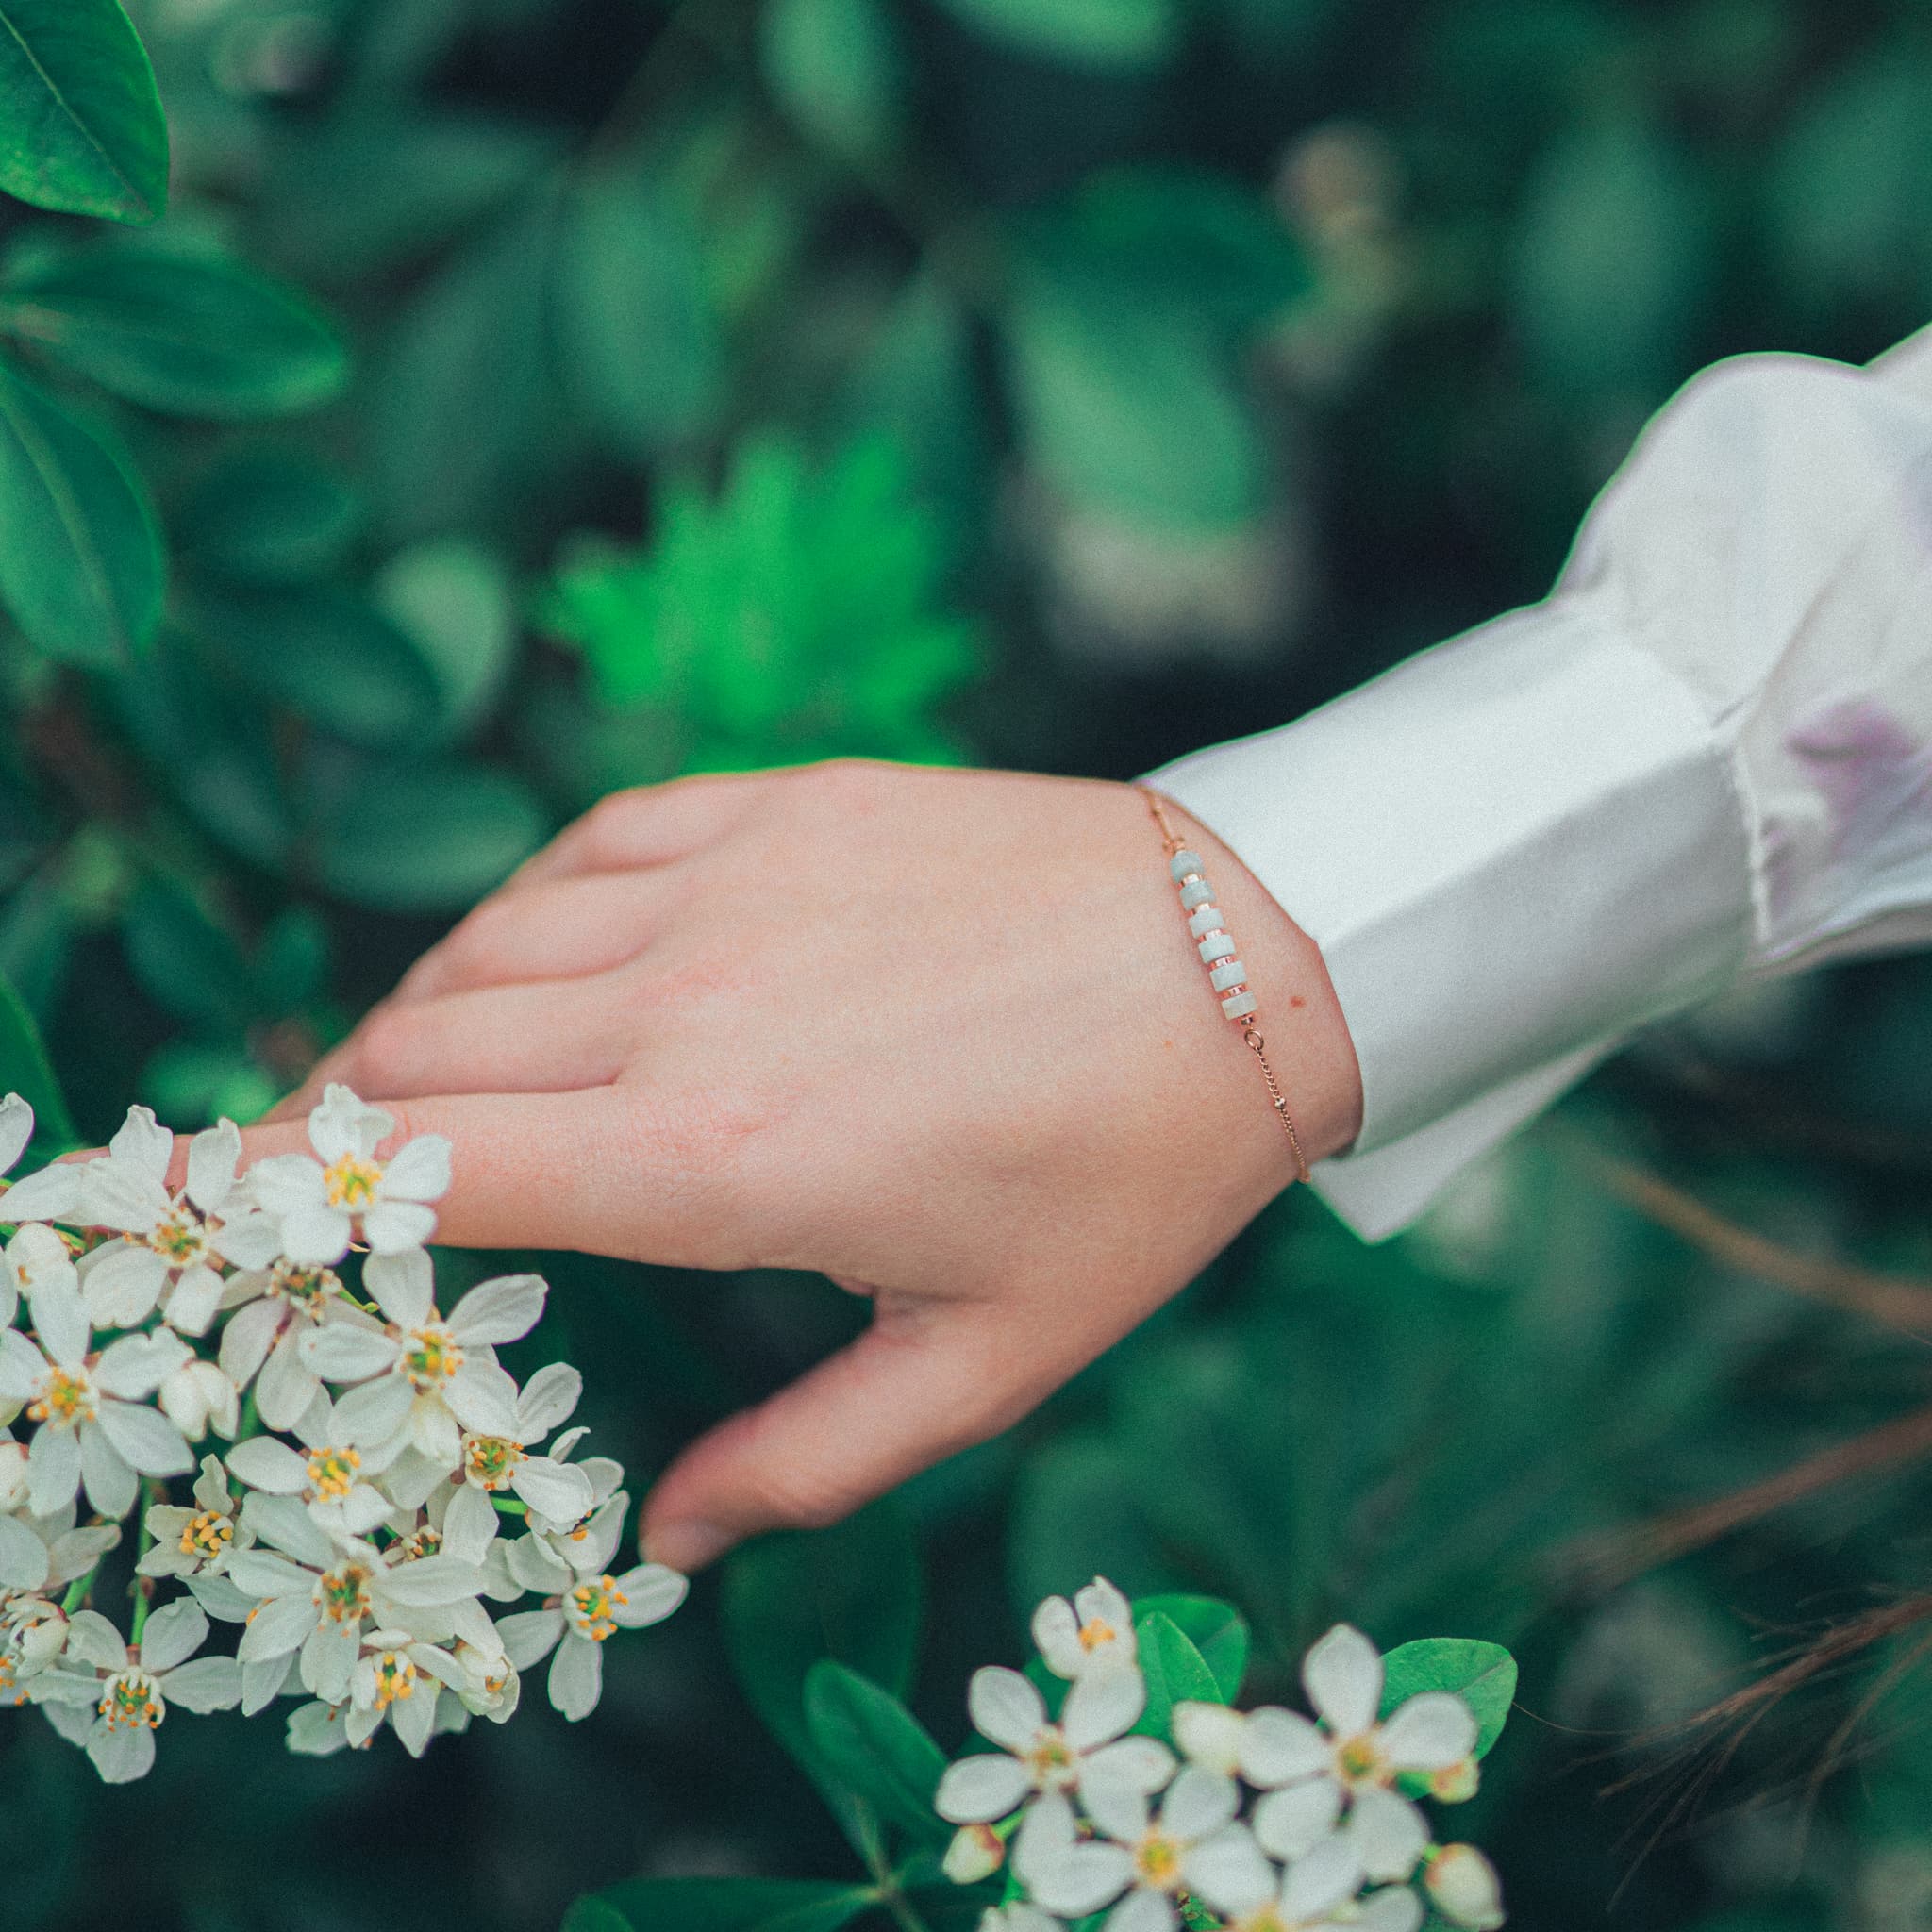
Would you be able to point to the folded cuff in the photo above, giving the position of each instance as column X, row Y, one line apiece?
column 1511, row 850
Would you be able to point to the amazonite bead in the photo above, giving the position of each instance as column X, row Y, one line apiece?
column 1204, row 921
column 1238, row 1005
column 1233, row 973
column 1182, row 863
column 1196, row 892
column 1220, row 947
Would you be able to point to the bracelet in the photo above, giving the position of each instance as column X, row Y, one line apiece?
column 1225, row 973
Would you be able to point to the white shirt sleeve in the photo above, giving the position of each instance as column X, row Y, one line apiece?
column 1705, row 756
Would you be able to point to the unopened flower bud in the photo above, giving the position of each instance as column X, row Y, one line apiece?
column 976, row 1852
column 1462, row 1885
column 1455, row 1784
column 40, row 1642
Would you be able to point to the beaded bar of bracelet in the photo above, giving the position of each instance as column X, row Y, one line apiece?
column 1225, row 973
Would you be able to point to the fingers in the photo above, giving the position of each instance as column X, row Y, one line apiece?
column 553, row 1036
column 910, row 1391
column 596, row 1171
column 651, row 825
column 561, row 928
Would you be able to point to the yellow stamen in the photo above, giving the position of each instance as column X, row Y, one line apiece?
column 342, row 1594
column 1095, row 1632
column 305, row 1287
column 395, row 1680
column 1048, row 1762
column 207, row 1536
column 179, row 1238
column 351, row 1183
column 491, row 1460
column 591, row 1608
column 1158, row 1860
column 1359, row 1761
column 432, row 1357
column 332, row 1473
column 132, row 1701
column 67, row 1401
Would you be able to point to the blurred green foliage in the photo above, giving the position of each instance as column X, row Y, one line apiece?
column 520, row 398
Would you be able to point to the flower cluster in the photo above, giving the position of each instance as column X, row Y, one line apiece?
column 1259, row 1821
column 370, row 1487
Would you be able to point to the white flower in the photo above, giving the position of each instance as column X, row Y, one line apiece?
column 1351, row 1759
column 38, row 1555
column 1461, row 1885
column 197, row 1541
column 174, row 1242
column 576, row 1626
column 1095, row 1629
column 93, row 1428
column 130, row 1689
column 317, row 1596
column 1086, row 1750
column 398, row 1677
column 273, row 1308
column 198, row 1396
column 550, row 1491
column 426, row 1381
column 1150, row 1860
column 329, row 1473
column 1316, row 1893
column 34, row 1257
column 49, row 1195
column 319, row 1202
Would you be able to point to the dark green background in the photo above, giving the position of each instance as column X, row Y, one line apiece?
column 1054, row 383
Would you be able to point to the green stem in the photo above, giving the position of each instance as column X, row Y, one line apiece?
column 79, row 1591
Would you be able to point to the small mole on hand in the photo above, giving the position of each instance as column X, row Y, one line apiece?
column 1296, row 1000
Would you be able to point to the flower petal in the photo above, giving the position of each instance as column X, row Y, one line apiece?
column 1280, row 1746
column 1102, row 1704
column 1397, row 1909
column 341, row 1352
column 376, row 1412
column 121, row 1755
column 133, row 1367
column 1343, row 1675
column 1429, row 1732
column 1229, row 1872
column 1316, row 1884
column 143, row 1144
column 402, row 1286
column 264, row 1463
column 16, row 1129
column 549, row 1398
column 499, row 1311
column 576, row 1676
column 317, row 1235
column 145, row 1437
column 341, row 1123
column 111, row 1485
column 174, row 1634
column 1199, row 1802
column 22, row 1556
column 53, row 1469
column 397, row 1227
column 60, row 1322
column 530, row 1636
column 470, row 1527
column 124, row 1286
column 209, row 1683
column 1004, row 1707
column 195, row 1297
column 483, row 1398
column 981, row 1789
column 1289, row 1824
column 246, row 1339
column 213, row 1156
column 1144, row 1911
column 653, row 1591
column 1057, row 1637
column 51, row 1194
column 418, row 1170
column 1210, row 1734
column 1388, row 1832
column 558, row 1490
column 286, row 1184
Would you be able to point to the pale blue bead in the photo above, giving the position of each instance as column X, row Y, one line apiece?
column 1197, row 893
column 1238, row 1005
column 1182, row 863
column 1233, row 973
column 1204, row 921
column 1220, row 947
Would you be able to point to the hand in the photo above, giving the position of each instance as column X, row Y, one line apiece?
column 942, row 1036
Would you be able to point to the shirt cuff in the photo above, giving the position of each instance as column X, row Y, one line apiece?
column 1511, row 850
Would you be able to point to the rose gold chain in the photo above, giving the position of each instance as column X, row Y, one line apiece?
column 1250, row 1033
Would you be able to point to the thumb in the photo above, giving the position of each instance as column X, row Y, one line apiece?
column 923, row 1382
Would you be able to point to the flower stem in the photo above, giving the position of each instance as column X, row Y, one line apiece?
column 79, row 1591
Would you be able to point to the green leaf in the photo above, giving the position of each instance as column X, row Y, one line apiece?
column 1117, row 35
column 452, row 598
column 80, row 558
column 1217, row 1630
column 26, row 1070
column 81, row 128
column 268, row 517
column 839, row 69
column 190, row 334
column 867, row 1738
column 642, row 350
column 184, row 960
column 423, row 837
column 1177, row 1673
column 850, row 1593
column 329, row 656
column 720, row 1905
column 1482, row 1674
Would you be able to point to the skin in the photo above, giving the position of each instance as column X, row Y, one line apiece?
column 939, row 1035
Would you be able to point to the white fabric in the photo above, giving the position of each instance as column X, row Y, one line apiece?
column 1705, row 756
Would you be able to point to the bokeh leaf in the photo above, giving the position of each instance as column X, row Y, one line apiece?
column 839, row 68
column 81, row 128
column 80, row 558
column 1105, row 34
column 721, row 1905
column 193, row 335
